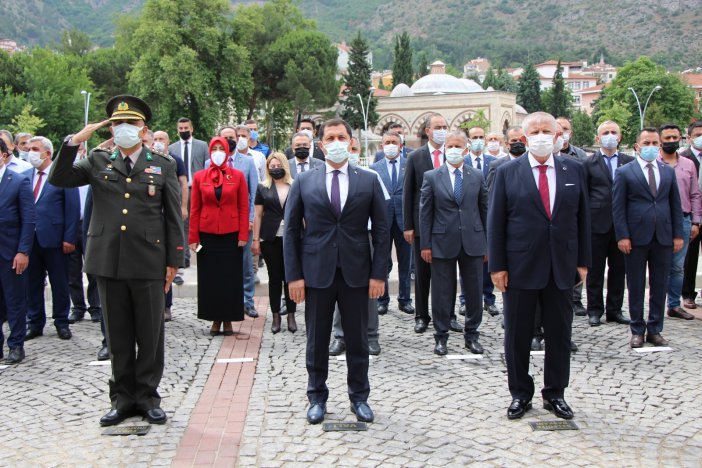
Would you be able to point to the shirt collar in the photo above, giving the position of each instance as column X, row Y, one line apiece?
column 615, row 155
column 432, row 149
column 534, row 163
column 343, row 169
column 45, row 170
column 474, row 157
column 643, row 163
column 2, row 171
column 451, row 168
column 695, row 151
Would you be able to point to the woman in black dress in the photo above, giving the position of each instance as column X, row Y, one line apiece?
column 219, row 220
column 268, row 234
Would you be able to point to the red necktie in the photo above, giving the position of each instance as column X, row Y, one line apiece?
column 37, row 186
column 437, row 161
column 543, row 189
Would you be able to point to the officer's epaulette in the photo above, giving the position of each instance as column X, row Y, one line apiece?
column 102, row 148
column 163, row 155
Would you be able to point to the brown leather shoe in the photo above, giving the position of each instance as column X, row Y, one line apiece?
column 656, row 340
column 636, row 341
column 689, row 304
column 679, row 312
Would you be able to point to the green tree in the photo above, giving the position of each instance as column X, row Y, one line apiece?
column 674, row 102
column 505, row 82
column 422, row 66
column 490, row 79
column 560, row 100
column 187, row 63
column 108, row 69
column 583, row 129
column 26, row 121
column 529, row 89
column 74, row 41
column 402, row 60
column 478, row 120
column 358, row 83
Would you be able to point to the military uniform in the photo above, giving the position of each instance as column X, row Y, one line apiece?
column 135, row 232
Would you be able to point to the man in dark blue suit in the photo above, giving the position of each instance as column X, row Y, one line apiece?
column 538, row 240
column 404, row 151
column 17, row 223
column 392, row 172
column 328, row 261
column 58, row 217
column 648, row 224
column 452, row 218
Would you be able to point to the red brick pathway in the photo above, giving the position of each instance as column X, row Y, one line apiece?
column 217, row 422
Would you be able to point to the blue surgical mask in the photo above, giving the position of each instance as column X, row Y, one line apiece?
column 648, row 153
column 477, row 145
column 609, row 141
column 337, row 151
column 127, row 135
column 354, row 158
column 454, row 155
column 254, row 135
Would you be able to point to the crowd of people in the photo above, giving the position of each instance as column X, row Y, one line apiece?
column 526, row 213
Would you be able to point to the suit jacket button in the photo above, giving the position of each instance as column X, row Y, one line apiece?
column 124, row 228
column 129, row 179
column 124, row 211
column 126, row 195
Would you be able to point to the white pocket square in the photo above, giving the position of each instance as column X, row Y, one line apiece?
column 569, row 185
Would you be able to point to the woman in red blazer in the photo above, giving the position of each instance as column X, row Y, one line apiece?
column 219, row 229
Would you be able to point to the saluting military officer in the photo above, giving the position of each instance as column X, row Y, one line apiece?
column 135, row 243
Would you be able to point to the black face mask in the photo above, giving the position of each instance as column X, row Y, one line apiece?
column 517, row 149
column 670, row 147
column 232, row 144
column 302, row 153
column 277, row 173
column 184, row 135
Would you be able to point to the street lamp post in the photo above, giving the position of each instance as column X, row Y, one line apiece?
column 86, row 105
column 642, row 113
column 364, row 113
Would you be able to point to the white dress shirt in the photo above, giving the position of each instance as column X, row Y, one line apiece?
column 189, row 164
column 306, row 162
column 43, row 180
column 644, row 168
column 696, row 153
column 343, row 182
column 431, row 153
column 550, row 175
column 452, row 174
column 474, row 158
column 15, row 164
column 2, row 172
column 83, row 193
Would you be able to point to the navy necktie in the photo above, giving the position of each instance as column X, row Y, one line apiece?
column 336, row 194
column 458, row 186
column 608, row 160
column 394, row 173
column 128, row 163
column 477, row 163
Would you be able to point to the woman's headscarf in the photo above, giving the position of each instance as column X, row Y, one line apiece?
column 217, row 173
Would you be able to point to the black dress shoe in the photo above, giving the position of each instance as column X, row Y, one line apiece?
column 251, row 312
column 407, row 308
column 275, row 326
column 594, row 321
column 155, row 416
column 31, row 334
column 115, row 416
column 373, row 348
column 420, row 325
column 518, row 408
column 455, row 326
column 337, row 347
column 579, row 310
column 103, row 354
column 382, row 309
column 535, row 344
column 618, row 318
column 292, row 324
column 492, row 309
column 362, row 411
column 440, row 348
column 315, row 414
column 75, row 316
column 679, row 312
column 178, row 280
column 559, row 407
column 474, row 346
column 16, row 355
column 64, row 333
column 462, row 309
column 95, row 317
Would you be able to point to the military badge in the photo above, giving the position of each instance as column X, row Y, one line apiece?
column 152, row 190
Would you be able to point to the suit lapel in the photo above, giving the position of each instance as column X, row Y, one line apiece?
column 383, row 171
column 466, row 175
column 528, row 176
column 321, row 185
column 118, row 162
column 6, row 180
column 141, row 163
column 638, row 174
column 603, row 165
column 446, row 181
column 561, row 173
column 353, row 186
column 665, row 181
column 401, row 175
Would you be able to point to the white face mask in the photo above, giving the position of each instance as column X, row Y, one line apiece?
column 439, row 136
column 354, row 158
column 540, row 145
column 454, row 155
column 391, row 151
column 558, row 146
column 218, row 157
column 566, row 137
column 159, row 146
column 242, row 143
column 308, row 133
column 337, row 151
column 34, row 158
column 126, row 135
column 493, row 145
column 23, row 155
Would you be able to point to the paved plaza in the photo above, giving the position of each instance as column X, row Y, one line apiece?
column 633, row 409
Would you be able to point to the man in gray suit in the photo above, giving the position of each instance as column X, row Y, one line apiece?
column 194, row 153
column 452, row 219
column 301, row 146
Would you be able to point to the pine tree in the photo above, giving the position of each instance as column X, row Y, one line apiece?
column 358, row 83
column 490, row 79
column 422, row 66
column 560, row 100
column 529, row 89
column 402, row 64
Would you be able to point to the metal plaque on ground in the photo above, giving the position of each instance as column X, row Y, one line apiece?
column 344, row 426
column 554, row 426
column 142, row 429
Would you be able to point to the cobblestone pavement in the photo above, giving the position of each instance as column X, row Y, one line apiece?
column 632, row 409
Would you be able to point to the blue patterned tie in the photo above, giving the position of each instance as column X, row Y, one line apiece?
column 458, row 186
column 394, row 173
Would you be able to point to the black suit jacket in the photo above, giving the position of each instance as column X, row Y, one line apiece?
column 687, row 153
column 273, row 211
column 599, row 184
column 418, row 162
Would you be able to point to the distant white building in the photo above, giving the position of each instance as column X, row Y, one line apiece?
column 476, row 67
column 10, row 46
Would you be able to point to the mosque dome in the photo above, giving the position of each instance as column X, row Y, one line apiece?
column 401, row 90
column 442, row 83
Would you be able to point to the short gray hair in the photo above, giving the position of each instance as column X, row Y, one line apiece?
column 8, row 134
column 300, row 134
column 539, row 118
column 243, row 127
column 608, row 122
column 458, row 134
column 45, row 143
column 21, row 135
